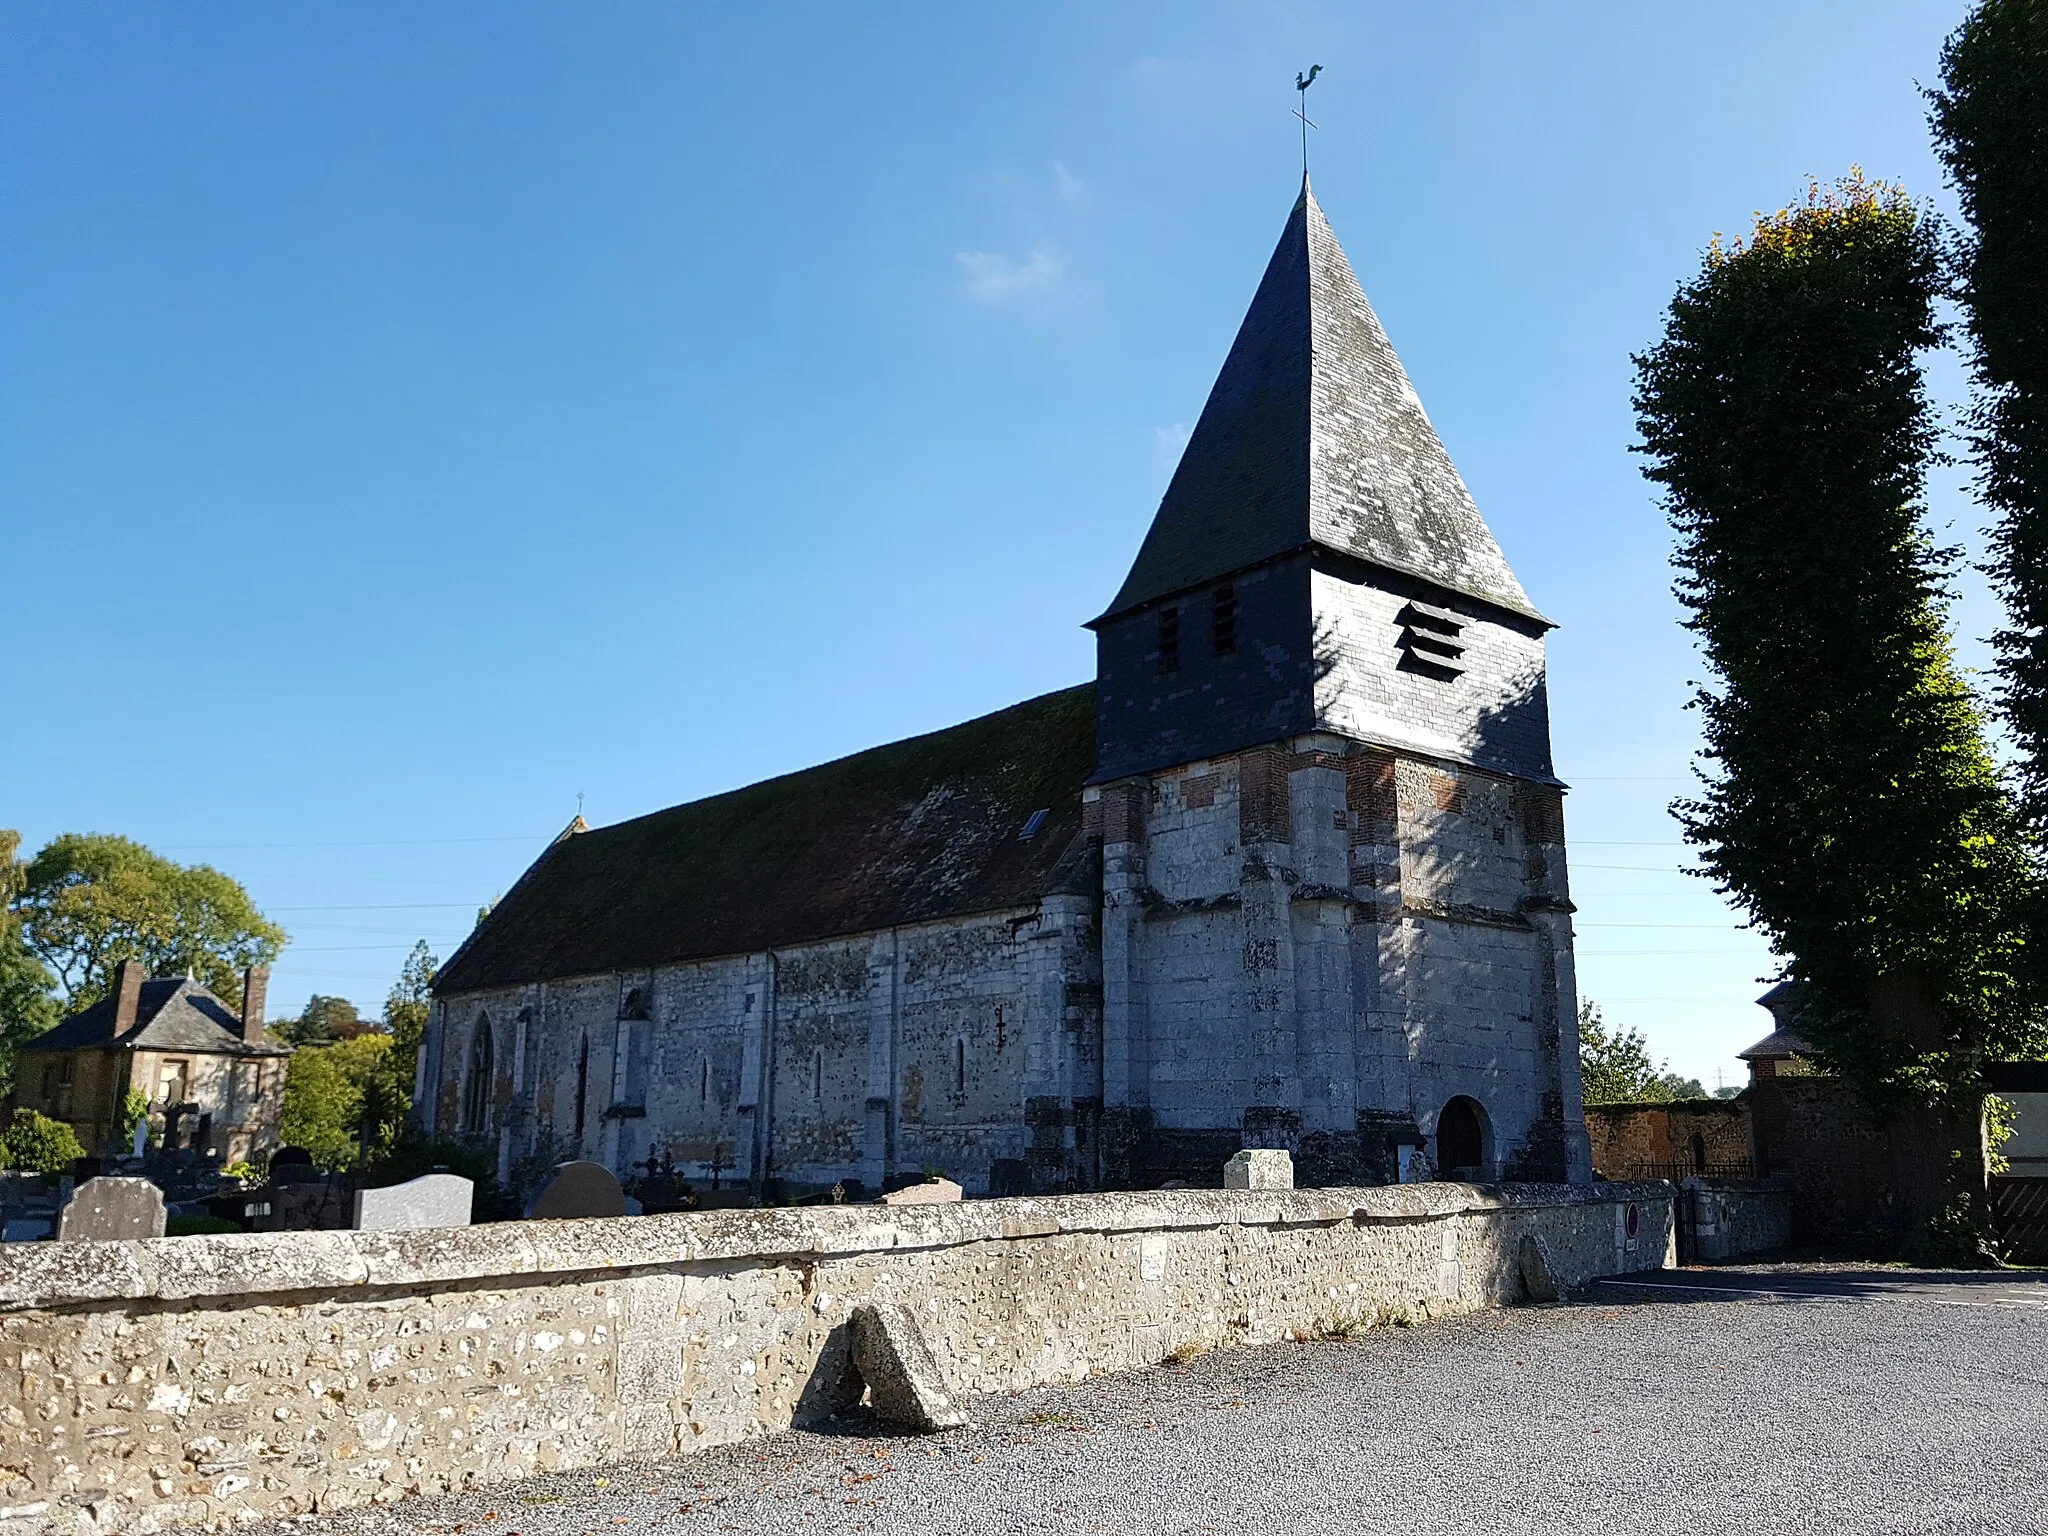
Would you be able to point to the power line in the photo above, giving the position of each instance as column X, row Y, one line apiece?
column 1623, row 954
column 387, row 842
column 386, row 906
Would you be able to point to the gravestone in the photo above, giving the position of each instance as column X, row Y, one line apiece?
column 930, row 1192
column 577, row 1189
column 432, row 1200
column 1260, row 1168
column 109, row 1210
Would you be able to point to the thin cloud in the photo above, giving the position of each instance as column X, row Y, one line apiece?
column 994, row 278
column 1072, row 188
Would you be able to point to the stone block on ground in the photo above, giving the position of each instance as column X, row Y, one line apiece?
column 1260, row 1168
column 930, row 1192
column 577, row 1189
column 903, row 1381
column 1537, row 1282
column 112, row 1210
column 432, row 1200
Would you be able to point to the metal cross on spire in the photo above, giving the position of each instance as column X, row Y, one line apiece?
column 1301, row 84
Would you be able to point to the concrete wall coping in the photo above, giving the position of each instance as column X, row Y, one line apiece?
column 54, row 1275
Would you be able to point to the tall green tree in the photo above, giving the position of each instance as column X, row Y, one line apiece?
column 90, row 901
column 349, row 1093
column 1849, row 803
column 1990, row 123
column 324, row 1020
column 26, row 1005
column 388, row 1096
column 325, row 1090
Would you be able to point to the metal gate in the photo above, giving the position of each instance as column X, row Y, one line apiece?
column 2019, row 1208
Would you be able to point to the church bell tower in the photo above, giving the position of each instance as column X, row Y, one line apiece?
column 1335, row 910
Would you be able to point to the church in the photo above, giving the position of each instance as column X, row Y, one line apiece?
column 1290, row 872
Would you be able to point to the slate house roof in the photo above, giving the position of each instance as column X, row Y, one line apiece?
column 1313, row 438
column 178, row 1015
column 1785, row 1001
column 913, row 831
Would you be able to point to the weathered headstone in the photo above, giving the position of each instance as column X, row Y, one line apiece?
column 432, row 1200
column 903, row 1380
column 577, row 1189
column 930, row 1192
column 1260, row 1168
column 109, row 1210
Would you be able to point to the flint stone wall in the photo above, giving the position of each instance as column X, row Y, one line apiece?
column 215, row 1380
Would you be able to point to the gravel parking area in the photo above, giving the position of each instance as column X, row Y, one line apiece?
column 1786, row 1399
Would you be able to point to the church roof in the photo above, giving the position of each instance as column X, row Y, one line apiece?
column 922, row 829
column 178, row 1015
column 1313, row 437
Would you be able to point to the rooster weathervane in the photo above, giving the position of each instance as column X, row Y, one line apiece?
column 1301, row 84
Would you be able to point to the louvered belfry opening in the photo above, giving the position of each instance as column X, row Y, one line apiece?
column 1429, row 641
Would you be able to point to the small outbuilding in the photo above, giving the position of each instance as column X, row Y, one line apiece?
column 213, row 1078
column 1784, row 1052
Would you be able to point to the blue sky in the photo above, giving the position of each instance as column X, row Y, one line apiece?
column 415, row 418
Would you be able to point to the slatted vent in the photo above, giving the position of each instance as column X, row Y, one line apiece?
column 1429, row 642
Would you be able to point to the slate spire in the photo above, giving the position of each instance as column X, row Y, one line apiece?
column 1313, row 437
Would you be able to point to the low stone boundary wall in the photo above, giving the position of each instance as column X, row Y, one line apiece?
column 213, row 1380
column 1729, row 1221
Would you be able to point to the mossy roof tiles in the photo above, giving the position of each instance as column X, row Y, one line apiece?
column 170, row 1015
column 910, row 832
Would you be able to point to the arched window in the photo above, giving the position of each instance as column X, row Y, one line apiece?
column 1461, row 1141
column 635, row 1005
column 1699, row 1153
column 959, row 1066
column 704, row 1081
column 582, row 1085
column 477, row 1087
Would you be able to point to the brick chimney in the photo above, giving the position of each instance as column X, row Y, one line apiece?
column 255, row 988
column 127, row 995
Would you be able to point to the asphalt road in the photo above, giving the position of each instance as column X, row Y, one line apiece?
column 1760, row 1400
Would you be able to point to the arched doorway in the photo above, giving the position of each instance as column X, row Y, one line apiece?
column 1461, row 1141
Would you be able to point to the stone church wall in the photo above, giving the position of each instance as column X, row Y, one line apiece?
column 1320, row 948
column 884, row 1055
column 209, row 1382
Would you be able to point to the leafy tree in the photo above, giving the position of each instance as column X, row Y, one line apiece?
column 1991, row 128
column 1678, row 1087
column 389, row 1097
column 323, row 1020
column 324, row 1096
column 1849, row 802
column 26, row 1006
column 1615, row 1065
column 134, row 1111
column 90, row 901
column 348, row 1090
column 37, row 1144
